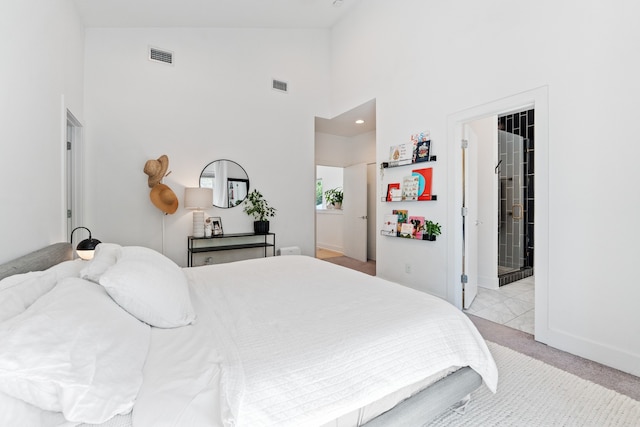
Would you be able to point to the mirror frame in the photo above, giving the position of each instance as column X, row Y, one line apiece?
column 226, row 184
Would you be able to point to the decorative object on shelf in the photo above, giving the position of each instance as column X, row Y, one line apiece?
column 390, row 225
column 216, row 225
column 394, row 193
column 255, row 205
column 410, row 187
column 334, row 197
column 198, row 199
column 425, row 177
column 86, row 247
column 402, row 215
column 431, row 230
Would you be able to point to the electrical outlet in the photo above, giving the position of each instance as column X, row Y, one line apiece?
column 407, row 268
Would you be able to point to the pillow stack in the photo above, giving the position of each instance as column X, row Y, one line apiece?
column 75, row 337
column 149, row 286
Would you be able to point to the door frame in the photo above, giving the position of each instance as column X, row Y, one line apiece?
column 74, row 172
column 538, row 99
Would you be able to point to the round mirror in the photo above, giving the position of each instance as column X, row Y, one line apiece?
column 229, row 181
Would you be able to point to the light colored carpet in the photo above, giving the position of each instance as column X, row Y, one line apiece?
column 532, row 393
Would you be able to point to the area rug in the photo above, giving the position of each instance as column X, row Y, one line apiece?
column 532, row 393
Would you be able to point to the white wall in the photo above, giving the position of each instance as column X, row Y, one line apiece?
column 432, row 60
column 216, row 102
column 41, row 75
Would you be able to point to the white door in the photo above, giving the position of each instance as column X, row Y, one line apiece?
column 470, row 220
column 354, row 209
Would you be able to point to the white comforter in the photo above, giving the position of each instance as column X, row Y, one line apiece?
column 294, row 341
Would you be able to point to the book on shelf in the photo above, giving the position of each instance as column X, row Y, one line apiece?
column 401, row 154
column 406, row 230
column 423, row 149
column 425, row 178
column 410, row 187
column 390, row 225
column 394, row 193
column 419, row 142
column 402, row 215
column 417, row 222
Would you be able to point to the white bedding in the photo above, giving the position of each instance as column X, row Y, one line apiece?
column 294, row 341
column 287, row 341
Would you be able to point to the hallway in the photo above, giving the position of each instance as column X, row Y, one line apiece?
column 511, row 305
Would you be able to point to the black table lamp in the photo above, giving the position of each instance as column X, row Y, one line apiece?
column 85, row 248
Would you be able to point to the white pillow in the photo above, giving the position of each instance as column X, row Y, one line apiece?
column 19, row 291
column 105, row 255
column 74, row 351
column 151, row 287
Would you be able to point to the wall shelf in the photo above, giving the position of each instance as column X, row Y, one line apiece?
column 425, row 237
column 433, row 198
column 385, row 165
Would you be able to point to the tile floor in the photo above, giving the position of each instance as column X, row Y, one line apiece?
column 511, row 305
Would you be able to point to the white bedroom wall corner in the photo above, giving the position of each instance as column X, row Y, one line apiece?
column 32, row 86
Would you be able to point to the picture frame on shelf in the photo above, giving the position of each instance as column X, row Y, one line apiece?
column 216, row 226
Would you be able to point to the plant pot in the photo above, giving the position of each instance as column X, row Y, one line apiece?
column 429, row 237
column 337, row 205
column 261, row 227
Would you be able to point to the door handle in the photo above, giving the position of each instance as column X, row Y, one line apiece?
column 363, row 217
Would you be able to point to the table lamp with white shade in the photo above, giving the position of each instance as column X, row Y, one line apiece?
column 198, row 199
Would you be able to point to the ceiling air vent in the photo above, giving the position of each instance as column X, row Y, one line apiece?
column 280, row 85
column 158, row 55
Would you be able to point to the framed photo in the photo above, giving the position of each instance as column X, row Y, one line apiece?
column 216, row 225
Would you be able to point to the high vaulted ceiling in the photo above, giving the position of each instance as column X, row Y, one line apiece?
column 321, row 14
column 213, row 13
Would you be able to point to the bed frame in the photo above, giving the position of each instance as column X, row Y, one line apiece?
column 415, row 411
column 38, row 260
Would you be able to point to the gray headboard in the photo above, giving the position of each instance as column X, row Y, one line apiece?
column 38, row 260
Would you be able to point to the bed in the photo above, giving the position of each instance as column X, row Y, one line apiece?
column 131, row 339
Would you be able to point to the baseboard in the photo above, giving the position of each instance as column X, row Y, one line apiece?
column 330, row 247
column 598, row 352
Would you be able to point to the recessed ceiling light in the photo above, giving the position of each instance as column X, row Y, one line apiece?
column 359, row 121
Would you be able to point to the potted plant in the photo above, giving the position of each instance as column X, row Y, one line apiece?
column 431, row 230
column 256, row 206
column 334, row 197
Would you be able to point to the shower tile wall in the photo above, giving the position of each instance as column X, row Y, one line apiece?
column 516, row 186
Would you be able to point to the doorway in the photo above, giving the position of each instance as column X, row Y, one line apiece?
column 347, row 142
column 73, row 173
column 460, row 218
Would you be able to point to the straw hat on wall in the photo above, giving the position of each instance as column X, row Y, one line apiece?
column 164, row 198
column 156, row 169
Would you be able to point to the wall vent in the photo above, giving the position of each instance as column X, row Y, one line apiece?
column 158, row 55
column 280, row 86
